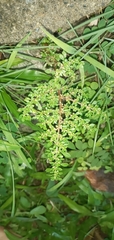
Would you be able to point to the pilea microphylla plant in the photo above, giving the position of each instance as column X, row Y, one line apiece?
column 67, row 118
column 72, row 113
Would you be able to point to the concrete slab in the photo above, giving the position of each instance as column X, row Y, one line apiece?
column 17, row 17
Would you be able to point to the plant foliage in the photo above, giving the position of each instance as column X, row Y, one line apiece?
column 55, row 123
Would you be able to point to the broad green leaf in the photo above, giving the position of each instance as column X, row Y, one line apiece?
column 42, row 218
column 71, row 145
column 11, row 140
column 64, row 46
column 76, row 153
column 25, row 75
column 24, row 202
column 6, row 146
column 90, row 143
column 79, row 144
column 73, row 153
column 17, row 164
column 7, row 203
column 38, row 210
column 10, row 104
column 13, row 237
column 84, row 145
column 74, row 206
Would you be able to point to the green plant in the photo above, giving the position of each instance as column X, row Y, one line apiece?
column 65, row 124
column 67, row 116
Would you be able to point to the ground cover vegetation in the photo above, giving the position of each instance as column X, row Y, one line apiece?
column 55, row 123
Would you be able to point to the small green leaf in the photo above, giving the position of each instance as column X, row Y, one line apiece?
column 38, row 210
column 111, row 49
column 2, row 62
column 64, row 164
column 71, row 145
column 66, row 154
column 104, row 44
column 76, row 153
column 102, row 23
column 84, row 146
column 88, row 68
column 42, row 218
column 96, row 163
column 90, row 159
column 79, row 144
column 24, row 202
column 86, row 31
column 73, row 154
column 94, row 85
column 90, row 143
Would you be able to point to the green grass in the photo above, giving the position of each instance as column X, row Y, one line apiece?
column 55, row 123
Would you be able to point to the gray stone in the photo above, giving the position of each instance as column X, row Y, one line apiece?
column 17, row 17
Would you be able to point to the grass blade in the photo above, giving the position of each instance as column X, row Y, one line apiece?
column 74, row 206
column 64, row 46
column 9, row 103
column 14, row 53
column 98, row 65
column 11, row 140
